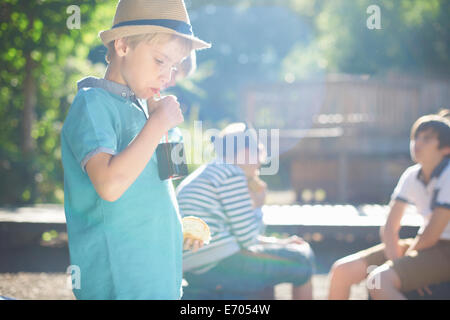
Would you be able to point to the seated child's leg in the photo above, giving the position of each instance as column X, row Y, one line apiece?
column 303, row 292
column 414, row 271
column 385, row 284
column 259, row 267
column 344, row 273
column 353, row 269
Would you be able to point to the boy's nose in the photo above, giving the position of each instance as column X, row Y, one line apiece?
column 165, row 78
column 170, row 83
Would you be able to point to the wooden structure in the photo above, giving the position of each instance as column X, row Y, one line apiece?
column 345, row 135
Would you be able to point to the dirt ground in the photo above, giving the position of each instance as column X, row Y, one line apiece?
column 38, row 272
column 55, row 286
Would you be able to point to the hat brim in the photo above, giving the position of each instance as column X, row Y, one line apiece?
column 112, row 34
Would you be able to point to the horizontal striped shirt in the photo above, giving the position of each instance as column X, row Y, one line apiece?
column 218, row 193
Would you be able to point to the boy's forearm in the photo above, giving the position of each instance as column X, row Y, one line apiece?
column 421, row 242
column 432, row 232
column 390, row 239
column 391, row 230
column 125, row 167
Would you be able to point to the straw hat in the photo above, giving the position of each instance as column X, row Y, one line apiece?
column 135, row 17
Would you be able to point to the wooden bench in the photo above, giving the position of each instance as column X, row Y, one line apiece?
column 18, row 226
column 351, row 225
column 336, row 223
column 24, row 226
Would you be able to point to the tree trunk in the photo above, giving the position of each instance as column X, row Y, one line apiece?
column 29, row 117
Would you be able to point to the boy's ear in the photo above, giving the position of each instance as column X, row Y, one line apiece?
column 121, row 47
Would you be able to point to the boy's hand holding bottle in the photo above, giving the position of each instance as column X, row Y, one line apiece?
column 167, row 110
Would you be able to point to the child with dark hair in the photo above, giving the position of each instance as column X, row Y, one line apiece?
column 409, row 264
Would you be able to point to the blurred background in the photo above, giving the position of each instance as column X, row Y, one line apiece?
column 343, row 94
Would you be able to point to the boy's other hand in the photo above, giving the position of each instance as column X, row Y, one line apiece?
column 426, row 289
column 191, row 244
column 294, row 239
column 167, row 110
column 397, row 251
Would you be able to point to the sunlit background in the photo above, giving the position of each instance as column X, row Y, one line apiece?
column 343, row 95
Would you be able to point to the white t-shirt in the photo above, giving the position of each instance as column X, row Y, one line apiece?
column 426, row 197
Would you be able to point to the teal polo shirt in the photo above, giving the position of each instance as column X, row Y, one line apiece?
column 130, row 248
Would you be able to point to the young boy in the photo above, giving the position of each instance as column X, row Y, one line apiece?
column 228, row 196
column 409, row 264
column 123, row 222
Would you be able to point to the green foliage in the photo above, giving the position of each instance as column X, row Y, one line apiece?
column 413, row 39
column 36, row 43
column 253, row 42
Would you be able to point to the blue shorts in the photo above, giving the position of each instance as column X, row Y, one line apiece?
column 257, row 268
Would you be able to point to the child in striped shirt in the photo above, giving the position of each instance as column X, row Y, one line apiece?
column 239, row 259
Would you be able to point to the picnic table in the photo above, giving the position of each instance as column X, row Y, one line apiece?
column 348, row 223
column 336, row 222
column 19, row 226
column 25, row 225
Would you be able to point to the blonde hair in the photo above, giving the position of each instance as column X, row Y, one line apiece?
column 187, row 67
column 150, row 38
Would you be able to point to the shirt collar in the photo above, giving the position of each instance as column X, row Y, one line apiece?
column 110, row 86
column 437, row 171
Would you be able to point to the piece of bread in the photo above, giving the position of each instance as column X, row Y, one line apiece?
column 195, row 228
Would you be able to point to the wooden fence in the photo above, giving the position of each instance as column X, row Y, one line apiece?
column 347, row 135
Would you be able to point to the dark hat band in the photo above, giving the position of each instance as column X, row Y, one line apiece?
column 177, row 25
